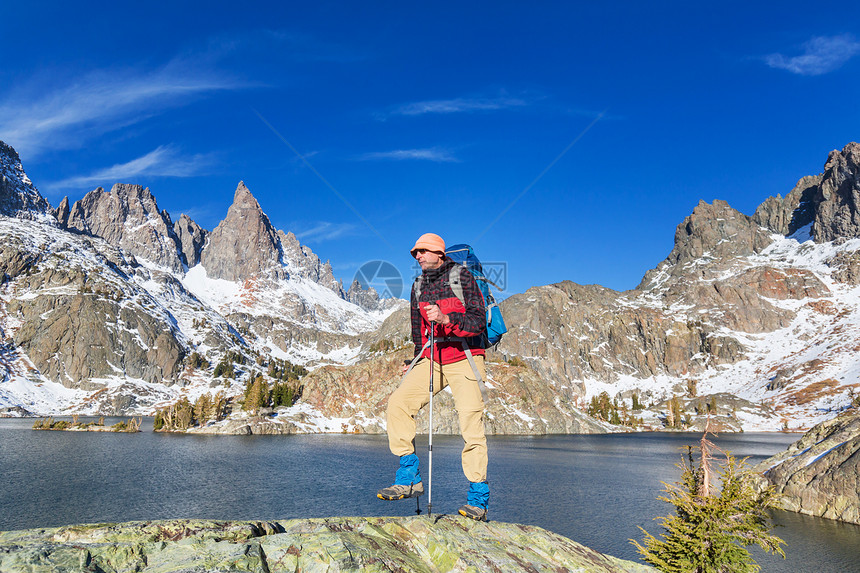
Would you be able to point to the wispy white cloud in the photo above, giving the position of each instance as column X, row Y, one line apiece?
column 42, row 116
column 458, row 105
column 164, row 161
column 325, row 231
column 820, row 55
column 428, row 154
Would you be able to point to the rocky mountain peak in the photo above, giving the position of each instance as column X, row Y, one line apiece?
column 837, row 202
column 303, row 262
column 714, row 232
column 849, row 158
column 244, row 198
column 244, row 244
column 787, row 215
column 128, row 217
column 9, row 152
column 62, row 212
column 830, row 201
column 192, row 238
column 366, row 299
column 18, row 196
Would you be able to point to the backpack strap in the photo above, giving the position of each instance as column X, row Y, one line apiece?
column 416, row 287
column 453, row 282
column 417, row 357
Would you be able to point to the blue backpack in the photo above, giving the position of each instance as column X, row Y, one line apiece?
column 464, row 255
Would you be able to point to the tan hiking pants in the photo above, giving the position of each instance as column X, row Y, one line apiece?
column 414, row 392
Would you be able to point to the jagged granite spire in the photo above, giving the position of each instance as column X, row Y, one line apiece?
column 62, row 212
column 837, row 203
column 302, row 261
column 18, row 196
column 244, row 244
column 830, row 201
column 191, row 237
column 128, row 217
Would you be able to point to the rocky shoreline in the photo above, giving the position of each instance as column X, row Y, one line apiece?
column 820, row 473
column 424, row 543
column 130, row 426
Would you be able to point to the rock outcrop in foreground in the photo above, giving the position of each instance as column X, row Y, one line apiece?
column 440, row 543
column 820, row 473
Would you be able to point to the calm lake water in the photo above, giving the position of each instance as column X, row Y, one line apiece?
column 593, row 489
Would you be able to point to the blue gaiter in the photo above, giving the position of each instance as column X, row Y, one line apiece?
column 479, row 494
column 407, row 473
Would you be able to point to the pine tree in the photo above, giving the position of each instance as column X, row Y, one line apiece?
column 710, row 531
column 677, row 414
column 670, row 416
column 614, row 418
column 256, row 395
column 283, row 394
column 219, row 406
column 184, row 414
column 202, row 409
column 692, row 387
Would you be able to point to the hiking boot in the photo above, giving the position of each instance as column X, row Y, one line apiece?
column 399, row 491
column 472, row 512
column 477, row 501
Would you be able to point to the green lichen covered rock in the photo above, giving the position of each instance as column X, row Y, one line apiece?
column 420, row 544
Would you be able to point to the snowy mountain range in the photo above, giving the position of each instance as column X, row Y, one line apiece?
column 102, row 303
column 752, row 322
column 760, row 313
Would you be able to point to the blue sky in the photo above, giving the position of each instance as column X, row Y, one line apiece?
column 566, row 140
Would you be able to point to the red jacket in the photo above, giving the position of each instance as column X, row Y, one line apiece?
column 468, row 318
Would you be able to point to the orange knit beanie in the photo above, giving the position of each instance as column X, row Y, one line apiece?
column 431, row 242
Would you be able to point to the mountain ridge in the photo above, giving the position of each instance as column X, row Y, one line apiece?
column 745, row 316
column 728, row 284
column 99, row 297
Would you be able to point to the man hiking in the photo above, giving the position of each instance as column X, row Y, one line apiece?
column 454, row 320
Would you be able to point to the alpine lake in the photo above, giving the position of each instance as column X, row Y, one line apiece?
column 595, row 489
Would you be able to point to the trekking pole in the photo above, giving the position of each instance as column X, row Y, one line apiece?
column 430, row 439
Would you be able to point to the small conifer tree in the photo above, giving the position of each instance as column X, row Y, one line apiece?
column 202, row 409
column 710, row 530
column 677, row 414
column 614, row 418
column 674, row 414
column 184, row 414
column 256, row 394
